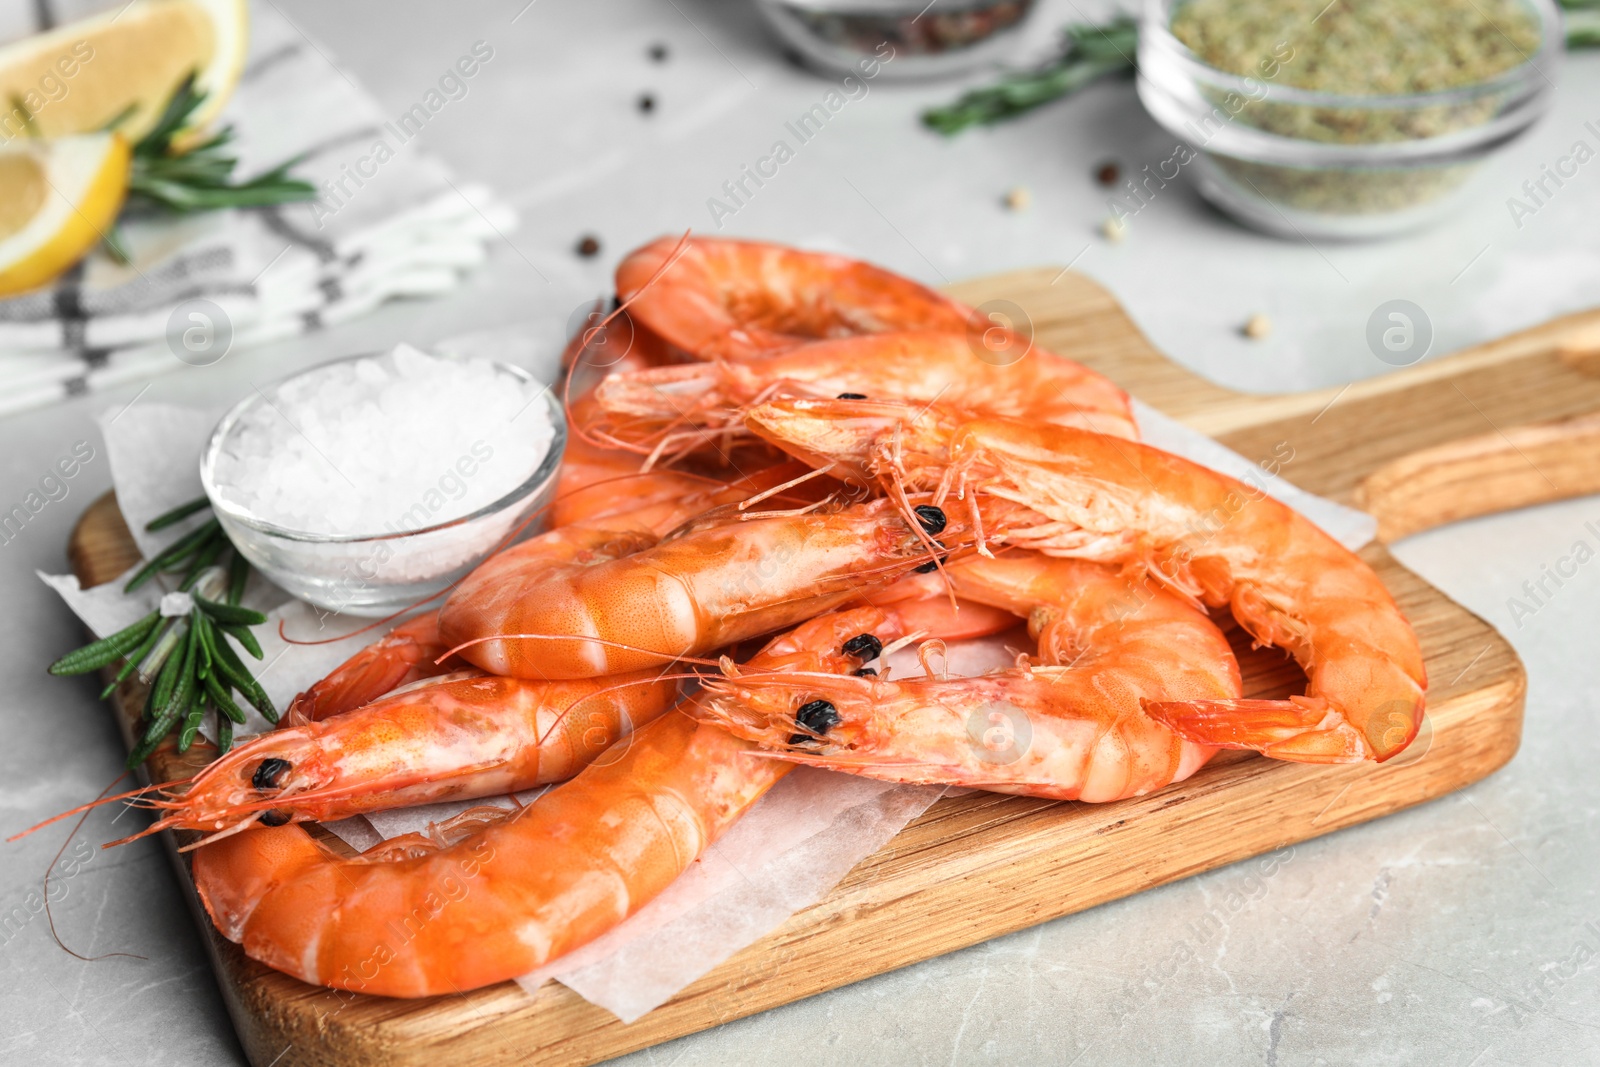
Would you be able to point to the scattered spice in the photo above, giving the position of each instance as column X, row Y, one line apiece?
column 1107, row 173
column 588, row 246
column 1257, row 326
column 1019, row 198
column 647, row 103
column 1114, row 229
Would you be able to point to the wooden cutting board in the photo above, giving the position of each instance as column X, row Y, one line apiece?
column 1430, row 444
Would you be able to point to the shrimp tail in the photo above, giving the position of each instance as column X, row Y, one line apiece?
column 1300, row 729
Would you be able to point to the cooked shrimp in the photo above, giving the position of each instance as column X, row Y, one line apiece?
column 409, row 653
column 641, row 408
column 1070, row 493
column 1072, row 728
column 530, row 615
column 452, row 738
column 489, row 897
column 740, row 300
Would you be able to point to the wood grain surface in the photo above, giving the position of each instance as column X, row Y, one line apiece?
column 982, row 865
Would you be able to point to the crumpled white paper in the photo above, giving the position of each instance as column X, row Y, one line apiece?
column 788, row 851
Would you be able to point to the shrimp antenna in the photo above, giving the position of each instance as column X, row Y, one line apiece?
column 48, row 871
column 666, row 657
column 589, row 333
column 100, row 801
column 564, row 712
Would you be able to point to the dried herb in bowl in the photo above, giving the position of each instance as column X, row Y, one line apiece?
column 1363, row 48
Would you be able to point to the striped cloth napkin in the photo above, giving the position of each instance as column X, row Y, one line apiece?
column 409, row 229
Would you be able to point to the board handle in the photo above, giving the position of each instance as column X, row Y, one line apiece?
column 1500, row 471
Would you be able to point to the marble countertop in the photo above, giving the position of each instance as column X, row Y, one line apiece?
column 1465, row 931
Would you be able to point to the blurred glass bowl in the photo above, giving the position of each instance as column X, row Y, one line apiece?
column 898, row 40
column 1304, row 163
column 378, row 574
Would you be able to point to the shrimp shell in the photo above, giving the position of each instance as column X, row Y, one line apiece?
column 1073, row 728
column 1066, row 492
column 741, row 300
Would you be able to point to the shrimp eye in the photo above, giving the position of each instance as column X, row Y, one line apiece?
column 819, row 717
column 930, row 518
column 851, row 396
column 269, row 775
column 863, row 647
column 932, row 564
column 865, row 672
column 274, row 818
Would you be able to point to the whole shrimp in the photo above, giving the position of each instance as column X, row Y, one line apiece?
column 450, row 738
column 741, row 300
column 1066, row 492
column 491, row 896
column 667, row 410
column 1071, row 727
column 529, row 615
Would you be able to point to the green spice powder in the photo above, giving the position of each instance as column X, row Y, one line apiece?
column 1363, row 47
column 1359, row 48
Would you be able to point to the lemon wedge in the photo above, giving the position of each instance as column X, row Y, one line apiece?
column 57, row 199
column 79, row 78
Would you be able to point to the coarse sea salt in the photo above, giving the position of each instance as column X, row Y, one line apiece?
column 385, row 444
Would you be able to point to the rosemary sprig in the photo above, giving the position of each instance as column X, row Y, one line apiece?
column 1090, row 53
column 1583, row 23
column 199, row 177
column 1094, row 52
column 186, row 660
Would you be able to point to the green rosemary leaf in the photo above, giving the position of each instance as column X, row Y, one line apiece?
column 238, row 576
column 1091, row 53
column 166, row 681
column 1583, row 25
column 173, row 554
column 245, row 638
column 224, row 700
column 224, row 734
column 191, row 725
column 228, row 613
column 177, row 514
column 134, row 658
column 108, row 649
column 199, row 175
column 237, row 675
column 205, row 555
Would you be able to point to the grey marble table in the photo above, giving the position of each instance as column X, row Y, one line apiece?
column 1462, row 932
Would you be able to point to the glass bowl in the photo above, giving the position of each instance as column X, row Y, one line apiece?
column 1306, row 163
column 379, row 574
column 896, row 39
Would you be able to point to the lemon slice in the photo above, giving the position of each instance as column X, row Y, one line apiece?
column 79, row 78
column 57, row 198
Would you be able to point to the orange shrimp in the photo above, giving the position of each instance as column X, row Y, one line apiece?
column 1070, row 493
column 489, row 896
column 532, row 615
column 667, row 410
column 1073, row 728
column 609, row 526
column 409, row 653
column 741, row 300
column 451, row 738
